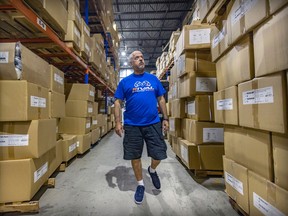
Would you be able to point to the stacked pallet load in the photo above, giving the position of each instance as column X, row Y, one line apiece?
column 196, row 139
column 250, row 52
column 98, row 60
column 28, row 147
column 102, row 115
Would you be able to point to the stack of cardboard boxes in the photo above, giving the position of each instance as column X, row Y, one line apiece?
column 250, row 51
column 196, row 139
column 28, row 150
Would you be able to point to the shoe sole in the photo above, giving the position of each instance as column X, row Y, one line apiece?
column 138, row 203
column 152, row 181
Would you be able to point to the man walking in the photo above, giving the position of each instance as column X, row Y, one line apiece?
column 142, row 91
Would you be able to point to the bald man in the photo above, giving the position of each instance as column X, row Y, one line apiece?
column 142, row 91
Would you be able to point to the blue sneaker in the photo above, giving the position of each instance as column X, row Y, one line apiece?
column 139, row 194
column 155, row 179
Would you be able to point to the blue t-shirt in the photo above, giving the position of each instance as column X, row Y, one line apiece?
column 140, row 92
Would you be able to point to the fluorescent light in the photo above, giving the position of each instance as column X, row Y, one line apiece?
column 125, row 63
column 123, row 53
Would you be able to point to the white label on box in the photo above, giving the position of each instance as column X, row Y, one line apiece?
column 72, row 147
column 236, row 15
column 76, row 32
column 218, row 38
column 90, row 110
column 225, row 104
column 37, row 102
column 258, row 96
column 42, row 102
column 191, row 108
column 184, row 153
column 205, row 84
column 59, row 79
column 213, row 135
column 264, row 207
column 41, row 23
column 57, row 129
column 87, row 47
column 14, row 140
column 199, row 36
column 40, row 172
column 78, row 144
column 4, row 57
column 247, row 5
column 94, row 122
column 91, row 93
column 86, row 30
column 78, row 15
column 88, row 125
column 234, row 182
column 172, row 124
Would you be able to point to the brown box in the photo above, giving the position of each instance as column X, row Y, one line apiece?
column 201, row 157
column 77, row 91
column 86, row 41
column 26, row 139
column 74, row 125
column 236, row 182
column 175, row 145
column 280, row 159
column 21, row 179
column 276, row 5
column 22, row 101
column 83, row 143
column 270, row 45
column 56, row 105
column 79, row 108
column 250, row 148
column 265, row 197
column 73, row 35
column 95, row 135
column 193, row 83
column 175, row 126
column 178, row 108
column 258, row 98
column 69, row 147
column 204, row 7
column 56, row 80
column 200, row 108
column 74, row 12
column 55, row 157
column 236, row 66
column 244, row 16
column 94, row 122
column 173, row 40
column 33, row 68
column 219, row 40
column 226, row 106
column 95, row 109
column 101, row 120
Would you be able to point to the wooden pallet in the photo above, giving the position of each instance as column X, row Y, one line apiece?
column 237, row 208
column 207, row 173
column 73, row 47
column 67, row 163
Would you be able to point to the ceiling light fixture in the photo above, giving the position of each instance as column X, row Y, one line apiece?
column 123, row 53
column 125, row 63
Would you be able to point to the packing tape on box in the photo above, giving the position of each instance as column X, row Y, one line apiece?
column 210, row 105
column 255, row 107
column 11, row 149
column 199, row 157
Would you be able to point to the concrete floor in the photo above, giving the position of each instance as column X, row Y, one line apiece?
column 102, row 183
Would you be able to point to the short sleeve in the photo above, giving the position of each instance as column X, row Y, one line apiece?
column 119, row 94
column 161, row 91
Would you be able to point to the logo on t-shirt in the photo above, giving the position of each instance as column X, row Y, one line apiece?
column 142, row 86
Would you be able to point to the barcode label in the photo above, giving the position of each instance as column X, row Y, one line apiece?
column 40, row 172
column 14, row 140
column 41, row 23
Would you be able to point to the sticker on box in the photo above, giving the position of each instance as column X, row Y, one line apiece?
column 14, row 140
column 225, row 104
column 205, row 84
column 213, row 135
column 199, row 36
column 191, row 107
column 72, row 147
column 184, row 153
column 258, row 96
column 4, row 57
column 40, row 172
column 234, row 182
column 58, row 79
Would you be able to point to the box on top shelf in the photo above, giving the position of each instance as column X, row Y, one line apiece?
column 98, row 40
column 56, row 105
column 79, row 108
column 200, row 108
column 86, row 41
column 205, row 7
column 26, row 139
column 173, row 40
column 271, row 45
column 258, row 98
column 73, row 35
column 220, row 11
column 74, row 12
column 74, row 125
column 22, row 101
column 236, row 66
column 20, row 63
column 79, row 91
column 226, row 106
column 56, row 78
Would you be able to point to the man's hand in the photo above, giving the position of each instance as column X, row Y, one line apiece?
column 119, row 129
column 165, row 125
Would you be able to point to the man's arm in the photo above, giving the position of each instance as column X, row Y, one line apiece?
column 163, row 108
column 118, row 116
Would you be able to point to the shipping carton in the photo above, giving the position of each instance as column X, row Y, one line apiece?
column 86, row 41
column 236, row 182
column 95, row 135
column 280, row 159
column 226, row 106
column 275, row 5
column 56, row 78
column 83, row 143
column 175, row 127
column 26, row 139
column 69, row 147
column 55, row 157
column 265, row 197
column 258, row 98
column 74, row 12
column 77, row 91
column 95, row 109
column 19, row 63
column 73, row 35
column 175, row 145
column 250, row 148
column 178, row 108
column 23, row 101
column 270, row 45
column 200, row 108
column 79, row 108
column 219, row 40
column 74, row 125
column 56, row 105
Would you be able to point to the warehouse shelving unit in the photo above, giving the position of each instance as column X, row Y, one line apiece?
column 51, row 48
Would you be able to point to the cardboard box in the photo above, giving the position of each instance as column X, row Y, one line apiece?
column 270, row 45
column 265, row 197
column 95, row 109
column 219, row 40
column 74, row 12
column 226, row 106
column 175, row 145
column 26, row 139
column 244, row 16
column 258, row 97
column 95, row 135
column 77, row 91
column 204, row 132
column 201, row 157
column 236, row 66
column 55, row 157
column 23, row 101
column 193, row 37
column 178, row 108
column 21, row 179
column 101, row 120
column 193, row 83
column 56, row 80
column 28, row 66
column 204, row 7
column 56, row 105
column 200, row 108
column 69, row 147
column 73, row 35
column 236, row 182
column 83, row 143
column 280, row 159
column 78, row 108
column 173, row 40
column 74, row 125
column 94, row 122
column 250, row 148
column 86, row 41
column 276, row 5
column 175, row 127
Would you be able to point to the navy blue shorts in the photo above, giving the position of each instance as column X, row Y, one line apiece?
column 134, row 141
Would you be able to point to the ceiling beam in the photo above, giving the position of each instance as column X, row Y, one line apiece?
column 147, row 19
column 142, row 39
column 145, row 29
column 152, row 2
column 142, row 12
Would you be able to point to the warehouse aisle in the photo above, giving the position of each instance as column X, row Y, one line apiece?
column 102, row 183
